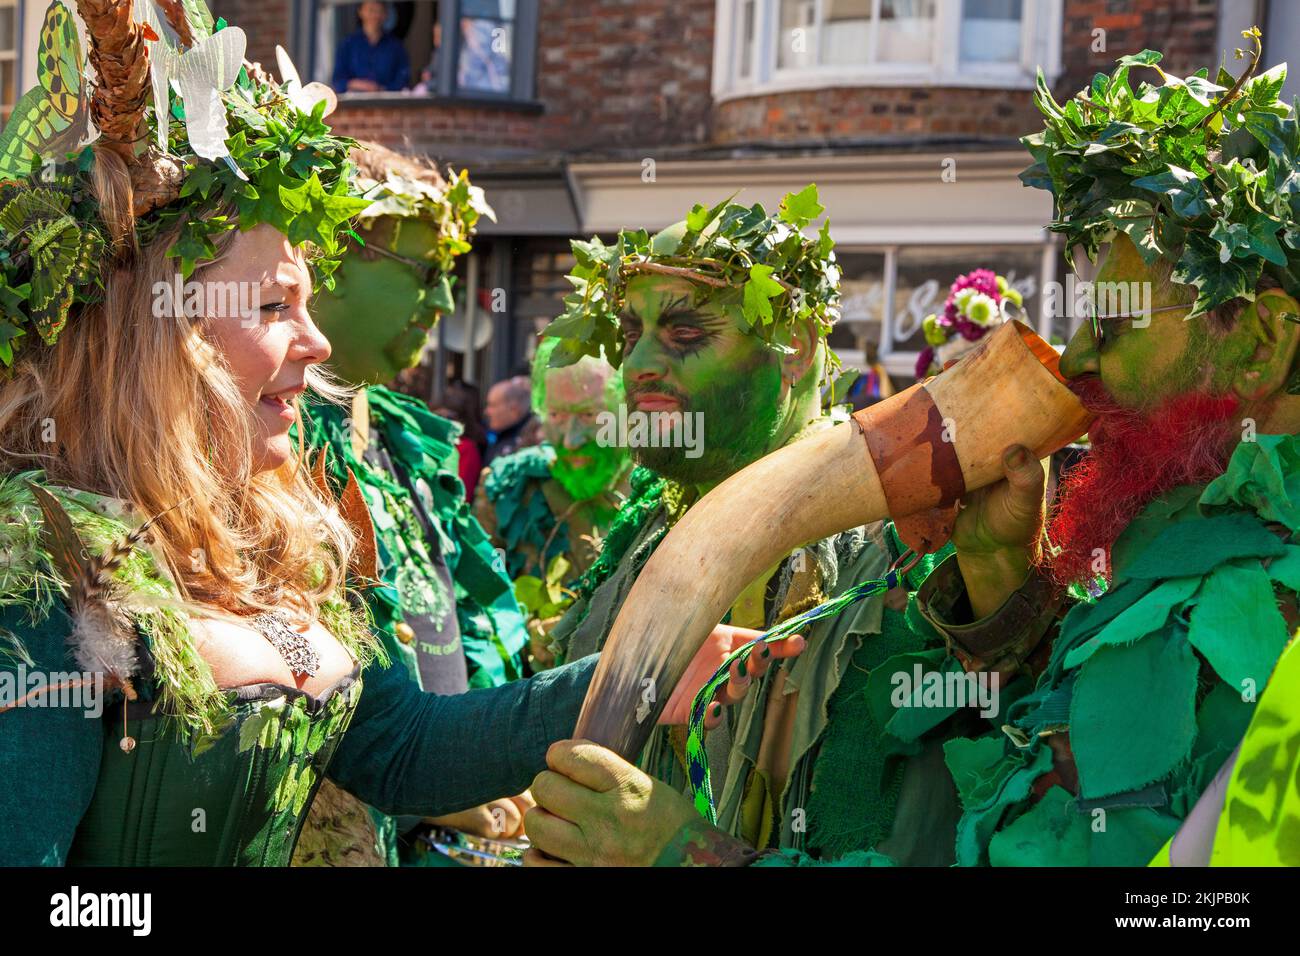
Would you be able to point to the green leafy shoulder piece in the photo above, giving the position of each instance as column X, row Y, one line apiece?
column 1155, row 681
column 648, row 492
column 512, row 487
column 1200, row 174
column 30, row 584
column 761, row 267
column 32, row 587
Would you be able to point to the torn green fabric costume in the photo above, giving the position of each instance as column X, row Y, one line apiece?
column 851, row 756
column 250, row 758
column 1154, row 682
column 521, row 518
column 439, row 580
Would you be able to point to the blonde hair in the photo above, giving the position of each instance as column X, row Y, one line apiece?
column 146, row 410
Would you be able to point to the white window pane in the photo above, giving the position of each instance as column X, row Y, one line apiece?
column 797, row 39
column 846, row 32
column 747, row 39
column 906, row 31
column 990, row 31
column 485, row 53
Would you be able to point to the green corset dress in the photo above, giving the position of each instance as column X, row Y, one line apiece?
column 240, row 801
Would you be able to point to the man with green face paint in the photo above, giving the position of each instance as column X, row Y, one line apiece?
column 721, row 324
column 548, row 507
column 1178, row 534
column 442, row 604
column 1177, row 538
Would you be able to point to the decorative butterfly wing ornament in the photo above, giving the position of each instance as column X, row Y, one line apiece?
column 40, row 224
column 200, row 73
column 304, row 98
column 52, row 119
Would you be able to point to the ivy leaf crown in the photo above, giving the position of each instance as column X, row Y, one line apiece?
column 1199, row 174
column 762, row 269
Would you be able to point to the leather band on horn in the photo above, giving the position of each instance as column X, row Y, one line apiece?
column 917, row 465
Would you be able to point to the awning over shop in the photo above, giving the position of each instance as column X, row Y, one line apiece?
column 872, row 199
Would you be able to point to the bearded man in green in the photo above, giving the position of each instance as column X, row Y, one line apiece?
column 720, row 324
column 549, row 506
column 441, row 602
column 1149, row 722
column 1178, row 534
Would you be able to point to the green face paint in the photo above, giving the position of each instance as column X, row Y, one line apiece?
column 1143, row 360
column 688, row 353
column 1148, row 360
column 381, row 310
column 587, row 471
column 576, row 396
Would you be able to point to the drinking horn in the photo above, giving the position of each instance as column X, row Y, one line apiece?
column 911, row 457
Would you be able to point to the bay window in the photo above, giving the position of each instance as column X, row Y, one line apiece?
column 771, row 45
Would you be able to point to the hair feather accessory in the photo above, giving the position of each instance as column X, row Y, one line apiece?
column 103, row 636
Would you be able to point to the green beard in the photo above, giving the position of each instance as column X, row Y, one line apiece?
column 585, row 483
column 741, row 417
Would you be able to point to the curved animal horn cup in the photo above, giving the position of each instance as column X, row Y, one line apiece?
column 911, row 457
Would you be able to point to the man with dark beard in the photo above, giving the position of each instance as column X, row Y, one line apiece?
column 807, row 765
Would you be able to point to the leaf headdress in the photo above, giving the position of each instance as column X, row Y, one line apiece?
column 1199, row 174
column 201, row 131
column 760, row 268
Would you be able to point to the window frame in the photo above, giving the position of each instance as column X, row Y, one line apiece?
column 901, row 361
column 14, row 56
column 522, row 67
column 1041, row 27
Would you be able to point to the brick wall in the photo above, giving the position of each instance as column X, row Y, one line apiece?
column 265, row 21
column 622, row 74
column 610, row 74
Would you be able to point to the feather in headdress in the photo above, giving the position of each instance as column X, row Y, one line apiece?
column 103, row 635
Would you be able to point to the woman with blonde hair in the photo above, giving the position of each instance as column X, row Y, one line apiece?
column 180, row 662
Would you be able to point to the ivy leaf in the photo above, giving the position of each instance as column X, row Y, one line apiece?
column 8, row 333
column 316, row 215
column 1145, row 58
column 759, row 291
column 12, row 299
column 1216, row 282
column 193, row 245
column 1185, row 191
column 440, row 297
column 802, row 207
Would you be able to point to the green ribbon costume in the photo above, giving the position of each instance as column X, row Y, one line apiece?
column 1155, row 681
column 422, row 449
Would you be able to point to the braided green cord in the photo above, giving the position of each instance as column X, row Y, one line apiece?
column 697, row 760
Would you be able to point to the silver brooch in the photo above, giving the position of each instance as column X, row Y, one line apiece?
column 293, row 646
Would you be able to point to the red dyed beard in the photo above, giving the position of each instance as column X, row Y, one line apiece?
column 1136, row 457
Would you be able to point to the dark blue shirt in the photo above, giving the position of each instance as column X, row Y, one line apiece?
column 385, row 62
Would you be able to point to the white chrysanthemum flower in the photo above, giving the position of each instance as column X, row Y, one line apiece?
column 934, row 335
column 981, row 309
column 963, row 297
